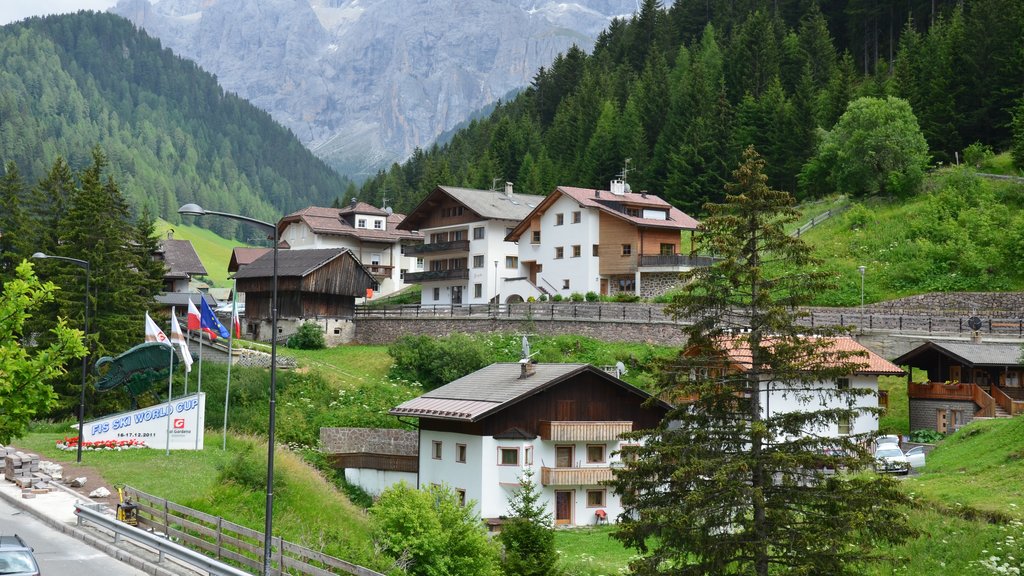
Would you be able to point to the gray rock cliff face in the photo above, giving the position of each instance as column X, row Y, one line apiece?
column 365, row 82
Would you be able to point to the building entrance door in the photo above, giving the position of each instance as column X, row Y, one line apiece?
column 456, row 294
column 563, row 507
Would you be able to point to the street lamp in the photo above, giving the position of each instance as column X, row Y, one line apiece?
column 861, row 269
column 196, row 210
column 85, row 359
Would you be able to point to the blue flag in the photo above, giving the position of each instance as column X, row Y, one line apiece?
column 209, row 323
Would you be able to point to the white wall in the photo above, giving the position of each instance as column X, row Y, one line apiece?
column 582, row 272
column 493, row 248
column 376, row 481
column 781, row 401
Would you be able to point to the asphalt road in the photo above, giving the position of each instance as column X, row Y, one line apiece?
column 58, row 553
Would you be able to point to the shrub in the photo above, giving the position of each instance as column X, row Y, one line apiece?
column 626, row 297
column 576, row 297
column 977, row 154
column 592, row 296
column 926, row 436
column 531, row 299
column 556, row 298
column 435, row 362
column 309, row 337
column 248, row 469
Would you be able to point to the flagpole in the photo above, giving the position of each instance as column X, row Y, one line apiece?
column 231, row 340
column 199, row 383
column 170, row 383
column 188, row 340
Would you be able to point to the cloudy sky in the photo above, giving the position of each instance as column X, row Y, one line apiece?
column 11, row 10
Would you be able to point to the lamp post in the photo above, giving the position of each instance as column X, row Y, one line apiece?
column 196, row 210
column 861, row 269
column 85, row 359
column 497, row 294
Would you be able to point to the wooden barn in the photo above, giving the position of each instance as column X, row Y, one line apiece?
column 311, row 284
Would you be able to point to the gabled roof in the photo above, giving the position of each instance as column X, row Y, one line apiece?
column 294, row 263
column 968, row 353
column 180, row 259
column 241, row 256
column 496, row 387
column 739, row 355
column 330, row 221
column 181, row 299
column 487, row 204
column 614, row 205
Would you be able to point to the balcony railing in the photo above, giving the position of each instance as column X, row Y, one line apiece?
column 675, row 261
column 577, row 431
column 378, row 271
column 435, row 275
column 964, row 391
column 574, row 476
column 438, row 247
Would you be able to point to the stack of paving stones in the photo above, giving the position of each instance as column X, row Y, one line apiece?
column 23, row 470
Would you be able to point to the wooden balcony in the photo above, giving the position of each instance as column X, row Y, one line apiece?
column 435, row 275
column 674, row 261
column 378, row 271
column 963, row 391
column 580, row 431
column 438, row 247
column 574, row 476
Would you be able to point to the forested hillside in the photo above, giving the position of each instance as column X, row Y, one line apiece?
column 681, row 91
column 170, row 132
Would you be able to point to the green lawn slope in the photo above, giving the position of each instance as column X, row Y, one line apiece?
column 214, row 251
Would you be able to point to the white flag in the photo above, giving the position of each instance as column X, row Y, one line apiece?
column 153, row 332
column 178, row 338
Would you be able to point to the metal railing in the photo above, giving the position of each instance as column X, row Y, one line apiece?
column 158, row 543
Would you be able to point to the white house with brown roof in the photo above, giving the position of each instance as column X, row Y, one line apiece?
column 371, row 234
column 480, row 433
column 181, row 263
column 580, row 240
column 781, row 397
column 466, row 256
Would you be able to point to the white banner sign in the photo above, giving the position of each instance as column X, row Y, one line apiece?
column 150, row 425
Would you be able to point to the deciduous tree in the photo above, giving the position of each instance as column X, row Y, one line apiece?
column 26, row 372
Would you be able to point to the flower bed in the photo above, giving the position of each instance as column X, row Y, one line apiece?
column 72, row 444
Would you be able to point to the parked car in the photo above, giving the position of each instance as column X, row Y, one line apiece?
column 16, row 558
column 889, row 458
column 887, row 439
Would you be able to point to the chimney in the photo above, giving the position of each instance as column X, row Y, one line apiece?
column 597, row 193
column 170, row 233
column 508, row 189
column 618, row 187
column 352, row 203
column 976, row 337
column 527, row 368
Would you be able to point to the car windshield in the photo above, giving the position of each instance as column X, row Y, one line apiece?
column 16, row 562
column 888, row 453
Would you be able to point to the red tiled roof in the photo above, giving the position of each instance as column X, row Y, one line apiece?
column 739, row 354
column 329, row 221
column 606, row 202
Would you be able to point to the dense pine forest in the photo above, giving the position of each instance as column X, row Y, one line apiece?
column 171, row 134
column 673, row 95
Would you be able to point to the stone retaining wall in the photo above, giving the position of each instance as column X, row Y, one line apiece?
column 923, row 412
column 382, row 331
column 369, row 440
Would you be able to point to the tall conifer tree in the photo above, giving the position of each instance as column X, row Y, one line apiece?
column 723, row 486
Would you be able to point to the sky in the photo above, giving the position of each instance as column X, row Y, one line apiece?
column 11, row 10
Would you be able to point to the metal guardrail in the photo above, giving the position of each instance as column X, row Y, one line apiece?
column 161, row 545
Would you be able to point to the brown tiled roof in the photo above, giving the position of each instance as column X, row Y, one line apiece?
column 871, row 364
column 329, row 221
column 614, row 205
column 180, row 259
column 241, row 256
column 494, row 388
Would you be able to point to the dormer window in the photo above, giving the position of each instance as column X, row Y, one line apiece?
column 634, row 212
column 377, row 224
column 361, row 223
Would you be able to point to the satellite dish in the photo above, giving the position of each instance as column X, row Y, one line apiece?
column 526, row 348
column 974, row 323
column 620, row 368
column 389, row 210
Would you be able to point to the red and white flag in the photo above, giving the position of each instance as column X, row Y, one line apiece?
column 236, row 324
column 194, row 320
column 178, row 338
column 153, row 332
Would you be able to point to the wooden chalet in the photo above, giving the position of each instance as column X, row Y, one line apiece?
column 966, row 380
column 311, row 284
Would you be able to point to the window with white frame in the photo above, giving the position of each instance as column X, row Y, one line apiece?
column 378, row 224
column 361, row 223
column 576, row 251
column 577, row 217
column 478, row 290
column 478, row 233
column 528, row 456
column 595, row 453
column 559, row 219
column 478, row 261
column 559, row 252
column 460, row 453
column 436, row 450
column 596, row 498
column 511, row 262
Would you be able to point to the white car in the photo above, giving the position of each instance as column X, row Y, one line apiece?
column 889, row 458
